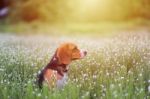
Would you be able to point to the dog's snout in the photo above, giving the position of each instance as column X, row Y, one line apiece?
column 83, row 53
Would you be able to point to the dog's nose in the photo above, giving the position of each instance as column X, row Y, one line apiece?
column 85, row 52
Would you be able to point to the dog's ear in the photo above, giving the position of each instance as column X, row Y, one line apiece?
column 63, row 55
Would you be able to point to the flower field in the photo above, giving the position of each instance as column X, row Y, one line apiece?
column 114, row 68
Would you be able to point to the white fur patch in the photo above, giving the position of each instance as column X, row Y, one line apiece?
column 62, row 82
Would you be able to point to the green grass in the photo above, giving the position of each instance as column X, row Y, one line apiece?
column 115, row 68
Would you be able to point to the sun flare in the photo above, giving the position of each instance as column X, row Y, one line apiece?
column 86, row 9
column 89, row 3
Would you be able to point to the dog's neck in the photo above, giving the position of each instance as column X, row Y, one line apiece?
column 55, row 65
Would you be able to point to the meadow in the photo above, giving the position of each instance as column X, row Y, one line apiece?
column 115, row 67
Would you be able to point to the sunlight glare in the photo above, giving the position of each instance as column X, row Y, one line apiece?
column 90, row 8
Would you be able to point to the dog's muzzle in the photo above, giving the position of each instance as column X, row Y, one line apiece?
column 83, row 53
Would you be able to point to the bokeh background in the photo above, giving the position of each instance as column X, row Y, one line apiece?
column 115, row 33
column 73, row 16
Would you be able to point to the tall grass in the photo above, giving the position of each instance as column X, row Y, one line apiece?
column 115, row 68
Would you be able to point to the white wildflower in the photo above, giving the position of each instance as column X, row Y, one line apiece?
column 39, row 94
column 122, row 77
column 94, row 95
column 107, row 74
column 1, row 69
column 94, row 76
column 119, row 85
column 140, row 74
column 112, row 86
column 149, row 88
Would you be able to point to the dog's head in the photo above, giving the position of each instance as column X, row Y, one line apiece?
column 68, row 52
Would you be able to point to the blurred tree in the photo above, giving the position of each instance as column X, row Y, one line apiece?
column 4, row 3
column 42, row 10
column 145, row 6
column 69, row 10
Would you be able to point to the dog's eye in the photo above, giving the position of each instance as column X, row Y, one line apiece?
column 75, row 48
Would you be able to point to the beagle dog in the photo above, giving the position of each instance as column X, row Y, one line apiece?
column 55, row 73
